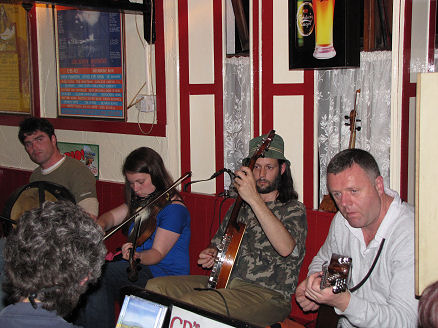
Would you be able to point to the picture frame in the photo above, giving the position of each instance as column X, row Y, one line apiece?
column 15, row 72
column 90, row 63
column 85, row 153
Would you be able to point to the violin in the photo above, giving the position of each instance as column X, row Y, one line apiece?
column 145, row 223
column 352, row 122
column 327, row 203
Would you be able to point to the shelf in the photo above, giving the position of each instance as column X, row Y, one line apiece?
column 124, row 6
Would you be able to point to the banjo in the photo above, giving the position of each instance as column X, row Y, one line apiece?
column 230, row 243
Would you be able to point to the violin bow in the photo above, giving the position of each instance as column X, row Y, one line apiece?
column 148, row 204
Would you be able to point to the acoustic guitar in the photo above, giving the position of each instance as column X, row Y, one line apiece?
column 327, row 203
column 230, row 243
column 336, row 275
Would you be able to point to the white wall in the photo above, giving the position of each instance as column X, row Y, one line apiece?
column 426, row 223
column 113, row 148
column 288, row 110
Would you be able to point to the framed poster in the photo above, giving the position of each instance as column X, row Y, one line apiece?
column 90, row 61
column 324, row 33
column 15, row 74
column 86, row 153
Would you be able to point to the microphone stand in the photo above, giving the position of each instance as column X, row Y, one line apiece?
column 7, row 220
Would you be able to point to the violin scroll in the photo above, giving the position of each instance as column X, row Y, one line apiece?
column 352, row 123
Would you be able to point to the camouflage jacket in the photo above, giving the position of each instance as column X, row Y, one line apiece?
column 257, row 261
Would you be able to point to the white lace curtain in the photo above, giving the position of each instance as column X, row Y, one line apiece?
column 334, row 99
column 237, row 112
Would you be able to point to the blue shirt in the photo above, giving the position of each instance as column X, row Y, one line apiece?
column 175, row 218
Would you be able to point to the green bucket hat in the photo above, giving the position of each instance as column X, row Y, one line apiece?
column 275, row 149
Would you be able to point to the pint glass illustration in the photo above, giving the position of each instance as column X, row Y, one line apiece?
column 323, row 11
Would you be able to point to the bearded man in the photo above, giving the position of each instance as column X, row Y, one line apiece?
column 266, row 268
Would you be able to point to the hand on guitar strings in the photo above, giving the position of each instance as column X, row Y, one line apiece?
column 314, row 292
column 207, row 257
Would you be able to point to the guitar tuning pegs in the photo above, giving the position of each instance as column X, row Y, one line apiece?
column 358, row 120
column 358, row 128
column 347, row 124
column 346, row 117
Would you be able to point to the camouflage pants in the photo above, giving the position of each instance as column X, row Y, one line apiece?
column 245, row 301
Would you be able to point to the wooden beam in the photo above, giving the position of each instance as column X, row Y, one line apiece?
column 369, row 42
column 241, row 24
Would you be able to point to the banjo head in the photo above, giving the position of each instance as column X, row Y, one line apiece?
column 32, row 196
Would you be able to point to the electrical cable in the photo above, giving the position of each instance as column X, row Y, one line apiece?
column 220, row 208
column 212, row 220
column 225, row 195
column 134, row 101
column 220, row 294
column 150, row 77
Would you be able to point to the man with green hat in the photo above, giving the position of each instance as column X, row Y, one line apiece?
column 275, row 149
column 266, row 268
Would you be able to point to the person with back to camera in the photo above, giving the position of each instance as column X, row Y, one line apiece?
column 165, row 252
column 373, row 225
column 265, row 271
column 50, row 258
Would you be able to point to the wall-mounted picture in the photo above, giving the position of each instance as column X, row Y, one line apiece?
column 324, row 33
column 14, row 60
column 86, row 153
column 91, row 80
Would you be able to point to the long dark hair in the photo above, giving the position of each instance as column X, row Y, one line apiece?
column 286, row 190
column 146, row 160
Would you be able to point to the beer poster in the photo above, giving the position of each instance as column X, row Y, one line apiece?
column 90, row 63
column 324, row 33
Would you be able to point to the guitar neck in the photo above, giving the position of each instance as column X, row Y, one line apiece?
column 234, row 214
column 352, row 142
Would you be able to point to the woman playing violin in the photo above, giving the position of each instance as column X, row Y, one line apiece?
column 165, row 252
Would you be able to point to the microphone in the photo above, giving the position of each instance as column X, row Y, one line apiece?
column 218, row 173
column 214, row 175
column 230, row 173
